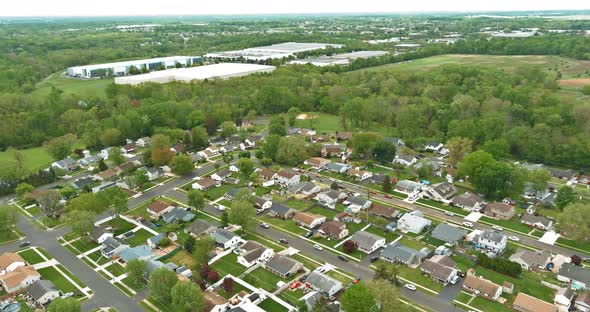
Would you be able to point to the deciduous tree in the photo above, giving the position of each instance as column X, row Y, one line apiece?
column 181, row 164
column 565, row 195
column 65, row 305
column 358, row 298
column 136, row 270
column 187, row 297
column 292, row 151
column 110, row 137
column 458, row 148
column 81, row 221
column 201, row 250
column 199, row 138
column 196, row 199
column 384, row 152
column 246, row 166
column 162, row 280
column 242, row 213
column 574, row 222
column 48, row 201
column 8, row 218
column 271, row 146
column 228, row 128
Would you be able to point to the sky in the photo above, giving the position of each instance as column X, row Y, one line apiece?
column 242, row 7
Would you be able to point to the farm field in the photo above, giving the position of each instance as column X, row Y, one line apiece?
column 35, row 159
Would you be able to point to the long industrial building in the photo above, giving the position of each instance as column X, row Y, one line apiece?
column 274, row 51
column 220, row 71
column 338, row 59
column 122, row 68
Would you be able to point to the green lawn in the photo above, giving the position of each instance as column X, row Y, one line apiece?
column 529, row 283
column 434, row 242
column 50, row 273
column 84, row 244
column 513, row 224
column 463, row 297
column 571, row 243
column 140, row 238
column 261, row 278
column 120, row 226
column 236, row 289
column 229, row 265
column 416, row 276
column 291, row 296
column 133, row 284
column 327, row 212
column 7, row 236
column 90, row 87
column 116, row 269
column 488, row 305
column 288, row 224
column 413, row 243
column 455, row 210
column 389, row 236
column 31, row 256
column 463, row 263
column 34, row 159
column 71, row 275
column 271, row 305
column 98, row 257
column 298, row 204
column 216, row 192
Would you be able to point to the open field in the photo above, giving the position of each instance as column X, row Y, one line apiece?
column 580, row 82
column 35, row 159
column 92, row 87
column 327, row 123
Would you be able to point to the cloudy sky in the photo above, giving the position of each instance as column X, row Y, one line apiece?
column 238, row 7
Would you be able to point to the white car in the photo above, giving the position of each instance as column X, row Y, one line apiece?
column 67, row 295
column 467, row 224
column 220, row 208
column 448, row 213
column 410, row 287
column 514, row 238
column 497, row 227
column 318, row 247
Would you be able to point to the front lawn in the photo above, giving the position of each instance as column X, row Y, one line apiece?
column 50, row 273
column 529, row 283
column 261, row 278
column 513, row 224
column 84, row 244
column 463, row 263
column 120, row 226
column 217, row 192
column 31, row 256
column 116, row 269
column 298, row 204
column 98, row 257
column 327, row 212
column 134, row 284
column 416, row 276
column 271, row 305
column 288, row 225
column 140, row 238
column 229, row 265
column 488, row 305
column 432, row 241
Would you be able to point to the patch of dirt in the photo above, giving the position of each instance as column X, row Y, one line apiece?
column 575, row 82
column 306, row 116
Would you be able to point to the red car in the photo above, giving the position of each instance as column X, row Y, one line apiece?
column 295, row 285
column 388, row 196
column 373, row 192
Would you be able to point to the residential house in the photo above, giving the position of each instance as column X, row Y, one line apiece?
column 578, row 277
column 545, row 197
column 281, row 211
column 323, row 283
column 99, row 234
column 359, row 175
column 107, row 175
column 103, row 186
column 433, row 163
column 582, row 302
column 399, row 253
column 231, row 181
column 499, row 211
column 89, row 160
column 448, row 233
column 439, row 269
column 338, row 167
column 539, row 222
column 309, row 220
column 333, row 150
column 19, row 278
column 395, row 141
column 408, row 187
column 288, row 178
column 178, row 148
column 43, row 292
column 367, row 242
column 283, row 266
column 378, row 178
column 531, row 260
column 9, row 261
column 492, row 241
column 567, row 174
column 306, row 132
column 356, row 203
column 126, row 167
column 406, row 160
column 79, row 184
column 262, row 204
column 330, row 198
column 333, row 229
column 234, row 168
column 468, row 201
column 158, row 208
column 564, row 297
column 346, row 217
column 305, row 188
column 199, row 227
column 528, row 303
column 441, row 192
column 316, row 162
column 105, row 152
column 177, row 215
column 232, row 193
column 221, row 175
column 584, row 179
column 413, row 222
column 205, row 184
column 67, row 164
column 343, row 135
column 266, row 174
column 144, row 142
column 437, row 147
column 128, row 148
column 155, row 240
column 141, row 252
column 252, row 252
column 383, row 211
column 112, row 246
column 310, row 299
column 153, row 173
column 321, row 138
column 225, row 239
column 482, row 287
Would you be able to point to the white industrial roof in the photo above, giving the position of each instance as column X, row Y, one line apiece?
column 321, row 61
column 135, row 62
column 361, row 54
column 222, row 70
column 274, row 51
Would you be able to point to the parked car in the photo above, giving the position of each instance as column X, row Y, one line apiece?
column 283, row 241
column 388, row 196
column 461, row 274
column 514, row 238
column 308, row 234
column 24, row 244
column 448, row 213
column 356, row 280
column 295, row 285
column 410, row 287
column 220, row 208
column 467, row 224
column 264, row 225
column 67, row 295
column 374, row 258
column 373, row 192
column 318, row 247
column 497, row 228
column 455, row 279
column 343, row 258
column 586, row 259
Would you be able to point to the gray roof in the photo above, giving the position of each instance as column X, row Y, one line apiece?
column 492, row 236
column 333, row 194
column 279, row 209
column 357, row 200
column 407, row 158
column 438, row 270
column 156, row 238
column 399, row 252
column 575, row 272
column 467, row 200
column 365, row 240
column 336, row 166
column 302, row 187
column 39, row 288
column 322, row 281
column 444, row 188
column 223, row 236
column 408, row 185
column 198, row 227
column 448, row 233
column 66, row 162
column 111, row 244
column 231, row 193
column 98, row 231
column 536, row 219
column 281, row 264
column 531, row 258
column 82, row 182
column 177, row 214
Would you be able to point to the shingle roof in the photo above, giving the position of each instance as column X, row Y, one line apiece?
column 357, row 200
column 575, row 272
column 481, row 284
column 332, row 228
column 384, row 211
column 39, row 288
column 531, row 258
column 158, row 206
column 467, row 200
column 222, row 236
column 9, row 258
column 437, row 270
column 399, row 251
column 307, row 218
column 531, row 303
column 198, row 227
column 365, row 240
column 279, row 209
column 492, row 236
column 322, row 281
column 281, row 264
column 448, row 233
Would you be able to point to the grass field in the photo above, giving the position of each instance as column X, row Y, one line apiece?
column 271, row 305
column 7, row 236
column 35, row 159
column 50, row 273
column 262, row 278
column 94, row 87
column 140, row 238
column 31, row 256
column 327, row 123
column 229, row 265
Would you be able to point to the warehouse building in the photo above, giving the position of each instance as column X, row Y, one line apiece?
column 274, row 51
column 338, row 59
column 122, row 68
column 221, row 71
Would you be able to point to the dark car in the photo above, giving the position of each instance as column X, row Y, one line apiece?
column 374, row 258
column 283, row 241
column 24, row 244
column 308, row 234
column 343, row 258
column 460, row 273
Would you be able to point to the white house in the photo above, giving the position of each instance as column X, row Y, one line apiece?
column 158, row 208
column 10, row 261
column 153, row 173
column 21, row 277
column 493, row 242
column 323, row 283
column 288, row 178
column 105, row 152
column 205, row 184
column 67, row 164
column 233, row 168
column 308, row 220
column 408, row 187
column 221, row 175
column 252, row 252
column 330, row 198
column 359, row 175
column 357, row 203
column 225, row 239
column 367, row 242
column 563, row 299
column 144, row 142
column 337, row 167
column 406, row 160
column 43, row 291
column 413, row 222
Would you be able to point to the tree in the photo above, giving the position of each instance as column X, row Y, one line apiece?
column 577, row 260
column 386, row 295
column 102, row 166
column 117, row 198
column 349, row 246
column 81, row 221
column 64, row 305
column 61, row 147
column 259, row 154
column 8, row 218
column 110, row 137
column 189, row 244
column 228, row 285
column 386, row 185
column 363, row 142
column 321, row 305
column 228, row 128
column 384, row 152
column 48, row 201
column 224, row 219
column 271, row 146
column 458, row 148
column 213, row 276
column 116, row 157
column 187, row 297
column 301, row 306
column 473, row 162
column 161, row 153
column 23, row 188
column 138, row 178
column 199, row 138
column 292, row 114
column 565, row 195
column 266, row 162
column 201, row 250
column 381, row 272
column 196, row 199
column 181, row 164
column 334, row 186
column 246, row 166
column 539, row 179
column 292, row 150
column 162, row 280
column 67, row 192
column 358, row 298
column 424, row 170
column 276, row 127
column 242, row 213
column 499, row 148
column 574, row 222
column 493, row 179
column 136, row 270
